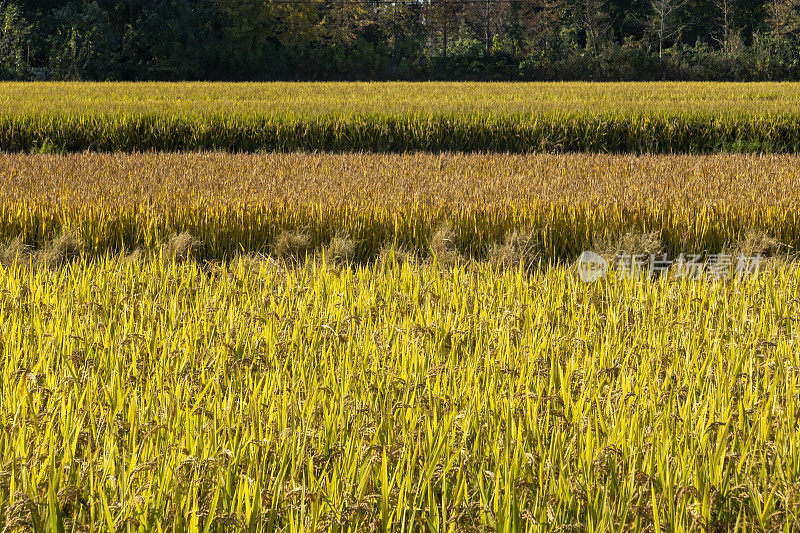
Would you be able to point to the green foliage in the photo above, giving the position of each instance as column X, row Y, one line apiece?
column 14, row 43
column 382, row 40
column 81, row 45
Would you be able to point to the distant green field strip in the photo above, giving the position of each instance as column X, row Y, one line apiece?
column 396, row 117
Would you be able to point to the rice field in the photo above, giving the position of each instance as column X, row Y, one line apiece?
column 400, row 117
column 241, row 203
column 141, row 395
column 210, row 324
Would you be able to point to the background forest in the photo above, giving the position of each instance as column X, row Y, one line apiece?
column 403, row 40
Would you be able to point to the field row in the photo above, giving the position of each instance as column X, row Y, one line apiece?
column 398, row 117
column 563, row 204
column 398, row 397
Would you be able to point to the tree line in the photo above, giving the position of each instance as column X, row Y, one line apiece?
column 400, row 40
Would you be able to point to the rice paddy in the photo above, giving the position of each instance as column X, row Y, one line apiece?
column 139, row 395
column 400, row 117
column 240, row 203
column 397, row 337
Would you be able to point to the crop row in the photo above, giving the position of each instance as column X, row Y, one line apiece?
column 237, row 204
column 399, row 117
column 149, row 395
column 568, row 133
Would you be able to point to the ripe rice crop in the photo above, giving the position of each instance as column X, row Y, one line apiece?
column 235, row 204
column 143, row 395
column 398, row 117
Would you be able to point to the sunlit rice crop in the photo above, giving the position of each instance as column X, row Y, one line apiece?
column 397, row 117
column 141, row 394
column 235, row 204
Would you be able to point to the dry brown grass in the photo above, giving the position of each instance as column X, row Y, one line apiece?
column 518, row 250
column 61, row 250
column 340, row 250
column 181, row 246
column 12, row 251
column 442, row 246
column 752, row 243
column 292, row 245
column 757, row 242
